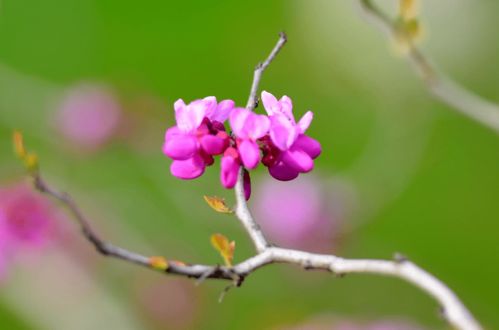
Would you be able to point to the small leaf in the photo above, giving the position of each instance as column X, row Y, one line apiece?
column 408, row 9
column 413, row 29
column 18, row 142
column 31, row 161
column 158, row 263
column 218, row 204
column 178, row 263
column 224, row 247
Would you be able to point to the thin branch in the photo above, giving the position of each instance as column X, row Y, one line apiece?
column 242, row 211
column 102, row 247
column 244, row 215
column 453, row 309
column 441, row 86
column 253, row 98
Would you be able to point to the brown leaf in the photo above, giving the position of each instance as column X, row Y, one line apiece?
column 224, row 247
column 218, row 204
column 18, row 142
column 158, row 263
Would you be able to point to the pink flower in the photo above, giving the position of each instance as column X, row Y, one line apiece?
column 247, row 128
column 89, row 116
column 172, row 304
column 291, row 151
column 276, row 140
column 198, row 135
column 296, row 214
column 345, row 324
column 26, row 221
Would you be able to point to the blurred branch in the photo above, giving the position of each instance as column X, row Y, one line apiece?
column 441, row 87
column 453, row 309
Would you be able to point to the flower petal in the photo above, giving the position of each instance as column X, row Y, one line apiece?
column 180, row 146
column 222, row 111
column 188, row 169
column 283, row 172
column 210, row 103
column 311, row 146
column 237, row 120
column 282, row 132
column 298, row 159
column 190, row 117
column 229, row 171
column 270, row 103
column 179, row 105
column 287, row 108
column 256, row 126
column 305, row 121
column 214, row 145
column 250, row 153
column 247, row 185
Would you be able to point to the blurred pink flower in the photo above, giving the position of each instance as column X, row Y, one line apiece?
column 345, row 324
column 89, row 116
column 377, row 325
column 171, row 304
column 295, row 214
column 26, row 222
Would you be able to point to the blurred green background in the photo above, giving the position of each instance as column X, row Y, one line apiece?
column 424, row 179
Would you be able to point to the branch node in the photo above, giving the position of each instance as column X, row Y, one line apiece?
column 441, row 313
column 283, row 36
column 307, row 265
column 207, row 274
column 400, row 258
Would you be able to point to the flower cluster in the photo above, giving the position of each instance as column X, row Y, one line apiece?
column 276, row 140
column 25, row 222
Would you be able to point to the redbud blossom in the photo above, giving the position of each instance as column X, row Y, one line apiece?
column 26, row 222
column 89, row 116
column 275, row 139
column 198, row 135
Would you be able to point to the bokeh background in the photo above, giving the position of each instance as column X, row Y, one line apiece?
column 400, row 172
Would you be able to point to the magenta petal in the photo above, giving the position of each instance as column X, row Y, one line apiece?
column 180, row 147
column 191, row 116
column 283, row 172
column 171, row 132
column 287, row 108
column 250, row 153
column 282, row 132
column 179, row 105
column 214, row 145
column 222, row 111
column 311, row 146
column 298, row 159
column 270, row 103
column 305, row 121
column 210, row 102
column 229, row 171
column 247, row 185
column 237, row 120
column 247, row 125
column 188, row 169
column 256, row 126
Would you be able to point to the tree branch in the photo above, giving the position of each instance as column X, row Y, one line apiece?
column 440, row 86
column 244, row 215
column 253, row 98
column 453, row 309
